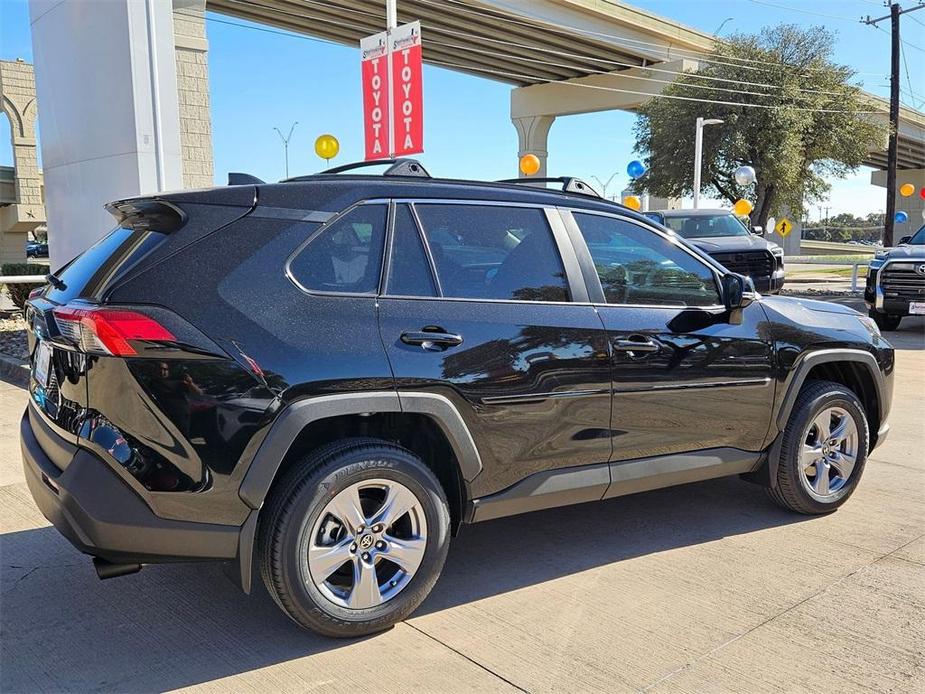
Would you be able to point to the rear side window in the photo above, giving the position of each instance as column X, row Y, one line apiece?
column 409, row 269
column 96, row 268
column 493, row 252
column 346, row 256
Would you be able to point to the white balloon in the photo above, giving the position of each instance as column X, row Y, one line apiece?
column 744, row 175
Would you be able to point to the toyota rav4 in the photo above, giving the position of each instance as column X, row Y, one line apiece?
column 323, row 379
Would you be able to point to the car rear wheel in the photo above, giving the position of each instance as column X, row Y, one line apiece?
column 885, row 321
column 354, row 537
column 824, row 449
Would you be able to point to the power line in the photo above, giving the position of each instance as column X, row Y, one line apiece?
column 801, row 10
column 911, row 93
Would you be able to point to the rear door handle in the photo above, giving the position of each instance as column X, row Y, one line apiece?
column 431, row 340
column 636, row 344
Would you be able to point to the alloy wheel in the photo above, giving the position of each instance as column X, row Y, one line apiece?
column 829, row 453
column 366, row 545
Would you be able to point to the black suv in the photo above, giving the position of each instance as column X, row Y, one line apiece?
column 896, row 282
column 322, row 379
column 723, row 236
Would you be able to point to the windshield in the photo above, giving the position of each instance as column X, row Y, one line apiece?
column 703, row 226
column 919, row 238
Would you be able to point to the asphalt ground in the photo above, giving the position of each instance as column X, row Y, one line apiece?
column 706, row 587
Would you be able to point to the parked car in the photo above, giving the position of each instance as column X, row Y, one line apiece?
column 723, row 235
column 37, row 249
column 896, row 282
column 323, row 379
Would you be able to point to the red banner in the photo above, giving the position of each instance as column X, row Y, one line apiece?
column 375, row 75
column 407, row 91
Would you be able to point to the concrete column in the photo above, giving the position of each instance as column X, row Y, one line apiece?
column 107, row 85
column 192, row 50
column 532, row 138
column 17, row 101
column 912, row 206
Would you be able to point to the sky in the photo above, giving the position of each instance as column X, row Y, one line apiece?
column 261, row 79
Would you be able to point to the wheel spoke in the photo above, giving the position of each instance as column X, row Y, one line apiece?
column 821, row 482
column 841, row 429
column 823, row 423
column 406, row 553
column 398, row 502
column 347, row 509
column 809, row 455
column 844, row 464
column 323, row 561
column 365, row 592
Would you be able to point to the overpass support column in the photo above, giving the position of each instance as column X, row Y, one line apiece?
column 532, row 138
column 107, row 87
column 913, row 206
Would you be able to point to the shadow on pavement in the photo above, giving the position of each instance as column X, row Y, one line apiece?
column 178, row 625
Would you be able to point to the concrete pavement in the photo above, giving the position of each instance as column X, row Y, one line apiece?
column 701, row 588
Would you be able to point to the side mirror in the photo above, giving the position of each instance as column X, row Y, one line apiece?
column 758, row 230
column 738, row 291
column 905, row 239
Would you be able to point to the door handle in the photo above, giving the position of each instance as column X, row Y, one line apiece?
column 636, row 344
column 433, row 341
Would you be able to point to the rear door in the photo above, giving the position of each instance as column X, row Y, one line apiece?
column 484, row 304
column 687, row 375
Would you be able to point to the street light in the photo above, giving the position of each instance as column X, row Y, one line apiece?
column 286, row 143
column 698, row 154
column 604, row 185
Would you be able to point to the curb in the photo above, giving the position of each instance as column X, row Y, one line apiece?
column 14, row 371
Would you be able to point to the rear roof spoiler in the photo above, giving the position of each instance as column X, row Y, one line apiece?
column 147, row 214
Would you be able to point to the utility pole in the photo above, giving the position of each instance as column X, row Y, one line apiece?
column 286, row 143
column 698, row 153
column 391, row 23
column 892, row 152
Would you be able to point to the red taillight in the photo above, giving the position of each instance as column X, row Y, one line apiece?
column 36, row 292
column 108, row 330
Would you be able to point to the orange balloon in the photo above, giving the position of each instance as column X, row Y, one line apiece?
column 906, row 189
column 632, row 202
column 742, row 207
column 529, row 164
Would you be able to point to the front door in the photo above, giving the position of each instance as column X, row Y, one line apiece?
column 687, row 375
column 481, row 305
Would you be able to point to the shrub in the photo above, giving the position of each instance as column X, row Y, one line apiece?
column 19, row 291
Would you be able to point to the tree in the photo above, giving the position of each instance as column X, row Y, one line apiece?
column 804, row 122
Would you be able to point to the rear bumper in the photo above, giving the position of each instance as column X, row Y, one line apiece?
column 101, row 515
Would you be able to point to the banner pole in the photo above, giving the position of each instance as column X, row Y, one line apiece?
column 391, row 22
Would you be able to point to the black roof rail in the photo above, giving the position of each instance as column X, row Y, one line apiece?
column 240, row 179
column 570, row 184
column 397, row 167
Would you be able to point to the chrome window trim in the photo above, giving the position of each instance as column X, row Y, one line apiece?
column 674, row 239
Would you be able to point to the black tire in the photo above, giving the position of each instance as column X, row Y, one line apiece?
column 302, row 495
column 814, row 397
column 885, row 321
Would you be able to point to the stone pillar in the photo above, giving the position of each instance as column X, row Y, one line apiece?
column 106, row 75
column 17, row 101
column 912, row 205
column 791, row 242
column 189, row 27
column 532, row 137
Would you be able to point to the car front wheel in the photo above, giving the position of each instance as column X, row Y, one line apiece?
column 354, row 537
column 824, row 449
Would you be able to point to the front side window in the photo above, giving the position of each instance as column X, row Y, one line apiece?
column 493, row 252
column 637, row 266
column 346, row 256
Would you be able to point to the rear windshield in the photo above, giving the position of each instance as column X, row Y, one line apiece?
column 705, row 226
column 94, row 270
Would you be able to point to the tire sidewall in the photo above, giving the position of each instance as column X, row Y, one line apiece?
column 383, row 462
column 837, row 397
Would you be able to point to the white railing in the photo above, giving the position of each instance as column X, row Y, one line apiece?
column 24, row 279
column 855, row 266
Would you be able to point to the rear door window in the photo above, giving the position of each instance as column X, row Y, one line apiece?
column 493, row 252
column 345, row 256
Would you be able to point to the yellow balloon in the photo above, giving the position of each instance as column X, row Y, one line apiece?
column 327, row 146
column 906, row 189
column 529, row 164
column 632, row 202
column 742, row 207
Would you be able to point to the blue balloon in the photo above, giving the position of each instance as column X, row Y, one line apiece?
column 901, row 217
column 635, row 168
